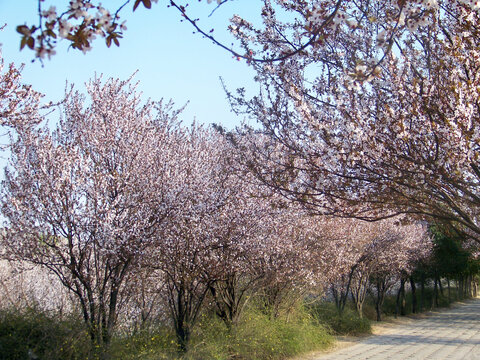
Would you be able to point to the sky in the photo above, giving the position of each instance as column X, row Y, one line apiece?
column 172, row 62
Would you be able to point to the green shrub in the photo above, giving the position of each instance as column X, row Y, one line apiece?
column 31, row 334
column 155, row 344
column 258, row 336
column 348, row 323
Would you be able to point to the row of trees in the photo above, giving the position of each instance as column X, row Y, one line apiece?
column 368, row 109
column 448, row 258
column 130, row 209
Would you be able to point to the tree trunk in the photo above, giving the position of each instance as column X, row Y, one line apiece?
column 341, row 297
column 403, row 311
column 359, row 291
column 397, row 302
column 440, row 286
column 400, row 303
column 414, row 294
column 181, row 326
column 449, row 291
column 381, row 289
column 435, row 293
column 470, row 292
column 422, row 292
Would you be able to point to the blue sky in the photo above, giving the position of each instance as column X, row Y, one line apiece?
column 172, row 62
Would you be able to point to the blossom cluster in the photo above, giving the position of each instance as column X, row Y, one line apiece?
column 80, row 22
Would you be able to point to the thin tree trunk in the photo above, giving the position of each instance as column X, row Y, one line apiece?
column 414, row 294
column 422, row 292
column 359, row 292
column 403, row 311
column 400, row 303
column 440, row 286
column 397, row 302
column 470, row 291
column 341, row 298
column 381, row 289
column 449, row 291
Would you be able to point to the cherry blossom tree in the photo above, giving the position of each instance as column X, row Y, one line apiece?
column 393, row 253
column 287, row 256
column 201, row 196
column 338, row 253
column 246, row 219
column 393, row 249
column 376, row 117
column 82, row 200
column 349, row 253
column 224, row 235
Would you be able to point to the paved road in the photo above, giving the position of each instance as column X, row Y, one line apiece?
column 450, row 334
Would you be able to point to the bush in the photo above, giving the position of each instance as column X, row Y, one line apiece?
column 33, row 334
column 349, row 323
column 153, row 344
column 259, row 336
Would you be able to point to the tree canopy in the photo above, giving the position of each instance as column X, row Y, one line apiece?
column 369, row 108
column 377, row 116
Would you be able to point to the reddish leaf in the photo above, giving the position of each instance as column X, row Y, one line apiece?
column 23, row 42
column 51, row 34
column 147, row 3
column 23, row 29
column 137, row 2
column 31, row 42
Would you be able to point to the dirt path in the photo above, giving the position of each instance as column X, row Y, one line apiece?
column 452, row 333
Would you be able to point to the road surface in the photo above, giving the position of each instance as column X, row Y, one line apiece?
column 447, row 334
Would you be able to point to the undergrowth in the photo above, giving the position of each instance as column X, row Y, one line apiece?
column 34, row 334
column 348, row 323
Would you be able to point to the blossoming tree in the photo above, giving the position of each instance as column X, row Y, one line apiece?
column 378, row 115
column 82, row 200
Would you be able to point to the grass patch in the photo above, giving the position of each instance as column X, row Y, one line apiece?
column 256, row 336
